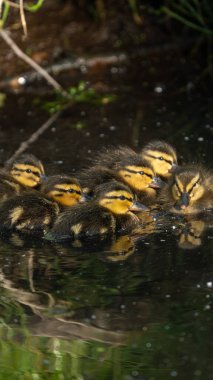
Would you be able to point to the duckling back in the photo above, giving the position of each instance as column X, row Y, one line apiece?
column 27, row 214
column 8, row 186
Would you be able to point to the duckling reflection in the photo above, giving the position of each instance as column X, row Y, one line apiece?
column 121, row 249
column 190, row 191
column 191, row 234
column 161, row 156
column 24, row 173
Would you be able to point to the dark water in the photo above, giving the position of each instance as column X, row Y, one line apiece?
column 137, row 308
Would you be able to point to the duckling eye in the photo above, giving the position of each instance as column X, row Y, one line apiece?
column 70, row 191
column 161, row 158
column 28, row 171
column 141, row 172
column 122, row 197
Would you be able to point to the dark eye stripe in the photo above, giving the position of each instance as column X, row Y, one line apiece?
column 25, row 170
column 159, row 158
column 67, row 191
column 118, row 197
column 136, row 172
column 194, row 185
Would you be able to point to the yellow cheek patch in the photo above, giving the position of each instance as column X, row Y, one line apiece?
column 66, row 187
column 65, row 199
column 179, row 183
column 115, row 204
column 133, row 176
column 31, row 179
column 192, row 183
column 24, row 167
column 157, row 154
column 197, row 194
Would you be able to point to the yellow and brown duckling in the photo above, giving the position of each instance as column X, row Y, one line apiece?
column 35, row 212
column 124, row 165
column 189, row 191
column 161, row 156
column 24, row 173
column 112, row 210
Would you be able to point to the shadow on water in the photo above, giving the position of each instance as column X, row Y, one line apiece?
column 136, row 308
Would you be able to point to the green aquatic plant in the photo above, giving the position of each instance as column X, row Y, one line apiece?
column 195, row 14
column 77, row 94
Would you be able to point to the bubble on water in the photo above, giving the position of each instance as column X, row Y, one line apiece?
column 173, row 373
column 112, row 128
column 102, row 135
column 158, row 124
column 93, row 316
column 22, row 81
column 207, row 295
column 200, row 139
column 123, row 307
column 114, row 70
column 168, row 296
column 173, row 227
column 207, row 307
column 148, row 345
column 159, row 89
column 186, row 138
column 209, row 284
column 87, row 134
column 198, row 286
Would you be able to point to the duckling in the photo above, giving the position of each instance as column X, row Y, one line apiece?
column 23, row 173
column 124, row 165
column 111, row 211
column 189, row 191
column 35, row 212
column 161, row 156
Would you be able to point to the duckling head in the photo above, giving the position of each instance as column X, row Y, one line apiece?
column 27, row 170
column 64, row 190
column 187, row 190
column 117, row 198
column 140, row 177
column 161, row 156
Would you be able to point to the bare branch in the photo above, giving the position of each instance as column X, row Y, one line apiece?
column 22, row 16
column 31, row 62
column 25, row 144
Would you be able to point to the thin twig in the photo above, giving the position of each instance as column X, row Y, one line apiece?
column 25, row 144
column 31, row 62
column 1, row 4
column 14, row 5
column 22, row 16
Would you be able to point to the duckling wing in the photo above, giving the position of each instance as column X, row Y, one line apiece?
column 8, row 187
column 82, row 221
column 108, row 157
column 27, row 214
column 96, row 175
